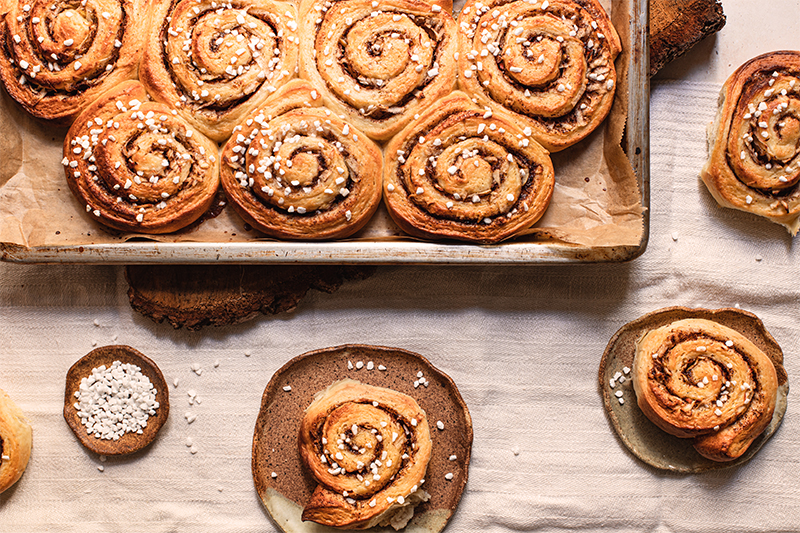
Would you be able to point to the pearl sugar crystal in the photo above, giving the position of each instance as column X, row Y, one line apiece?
column 115, row 400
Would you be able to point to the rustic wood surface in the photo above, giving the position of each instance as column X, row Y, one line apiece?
column 193, row 296
column 677, row 25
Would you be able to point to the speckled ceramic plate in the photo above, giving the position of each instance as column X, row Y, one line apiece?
column 129, row 442
column 642, row 437
column 275, row 446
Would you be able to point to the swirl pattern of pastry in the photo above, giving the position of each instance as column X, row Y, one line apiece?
column 466, row 173
column 136, row 166
column 215, row 61
column 15, row 442
column 551, row 63
column 754, row 161
column 379, row 63
column 58, row 56
column 368, row 448
column 294, row 170
column 695, row 378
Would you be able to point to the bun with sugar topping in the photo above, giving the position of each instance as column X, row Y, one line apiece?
column 16, row 436
column 754, row 143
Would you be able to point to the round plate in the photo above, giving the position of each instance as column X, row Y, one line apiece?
column 643, row 438
column 275, row 447
column 129, row 442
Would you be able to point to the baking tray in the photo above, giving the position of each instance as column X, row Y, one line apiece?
column 635, row 143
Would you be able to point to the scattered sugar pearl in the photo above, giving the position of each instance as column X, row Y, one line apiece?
column 448, row 476
column 674, row 235
column 287, row 388
column 274, row 475
column 452, row 458
column 359, row 365
column 759, row 258
column 370, row 365
column 440, row 425
column 101, row 468
column 514, row 450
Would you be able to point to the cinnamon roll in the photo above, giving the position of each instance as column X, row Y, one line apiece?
column 754, row 159
column 550, row 63
column 379, row 62
column 58, row 56
column 466, row 173
column 15, row 442
column 215, row 62
column 136, row 166
column 695, row 378
column 368, row 448
column 294, row 170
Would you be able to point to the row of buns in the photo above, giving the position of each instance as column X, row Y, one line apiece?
column 380, row 70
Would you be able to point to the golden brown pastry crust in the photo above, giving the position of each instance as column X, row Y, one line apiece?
column 294, row 170
column 465, row 173
column 754, row 143
column 216, row 62
column 379, row 64
column 351, row 425
column 16, row 437
column 55, row 61
column 549, row 63
column 135, row 166
column 695, row 378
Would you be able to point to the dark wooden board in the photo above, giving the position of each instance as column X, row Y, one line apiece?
column 193, row 296
column 677, row 25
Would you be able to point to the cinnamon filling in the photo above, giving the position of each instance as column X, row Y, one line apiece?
column 432, row 27
column 660, row 374
column 63, row 59
column 531, row 170
column 376, row 450
column 215, row 107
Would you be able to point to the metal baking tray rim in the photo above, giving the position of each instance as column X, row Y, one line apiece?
column 636, row 144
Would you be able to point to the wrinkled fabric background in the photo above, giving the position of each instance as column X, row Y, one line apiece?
column 523, row 344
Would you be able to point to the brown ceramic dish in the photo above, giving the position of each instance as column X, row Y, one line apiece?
column 643, row 438
column 130, row 442
column 275, row 446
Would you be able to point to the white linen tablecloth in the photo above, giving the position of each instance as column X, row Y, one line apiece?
column 523, row 344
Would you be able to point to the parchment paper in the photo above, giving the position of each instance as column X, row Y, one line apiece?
column 596, row 201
